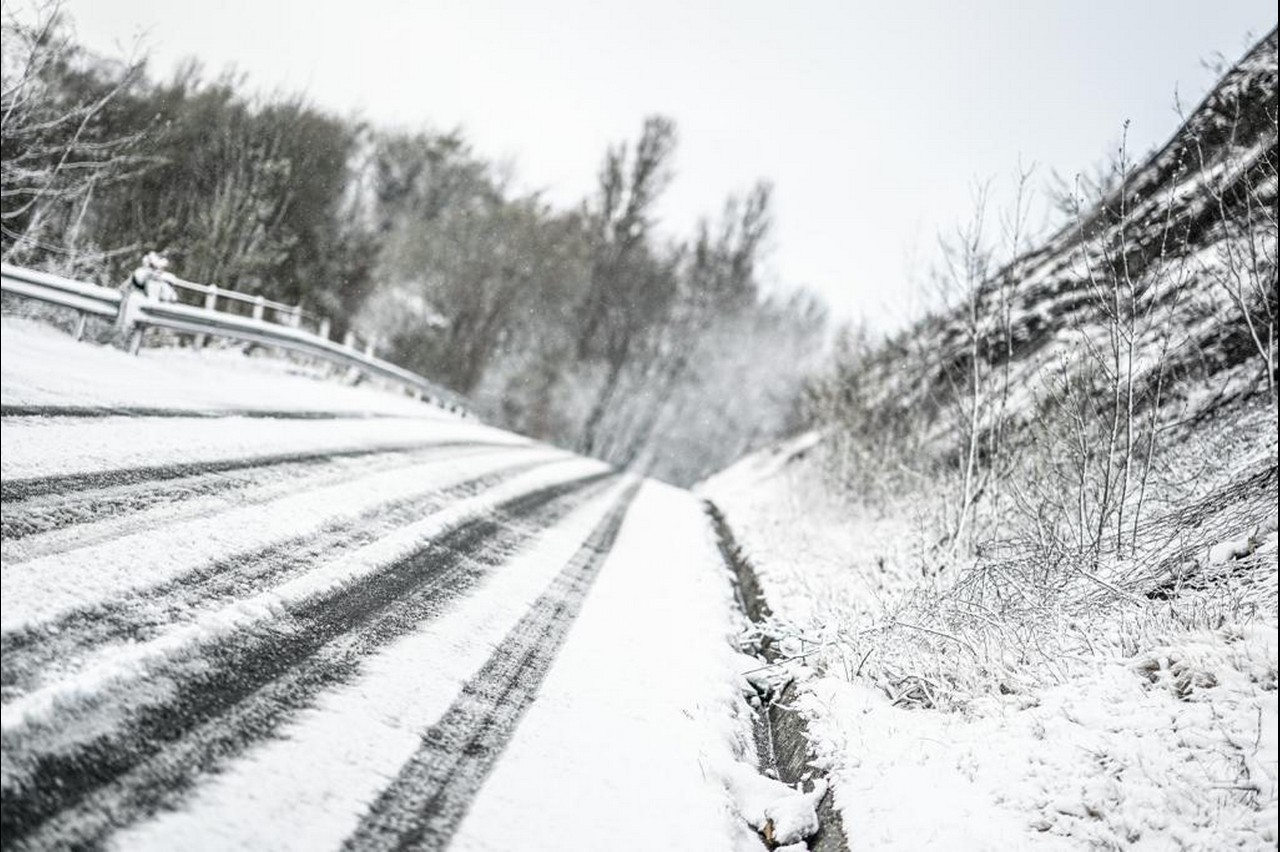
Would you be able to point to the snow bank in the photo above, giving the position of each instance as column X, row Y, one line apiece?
column 1164, row 739
column 41, row 366
column 781, row 814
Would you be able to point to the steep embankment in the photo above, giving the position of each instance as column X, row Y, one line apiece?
column 1189, row 235
column 1026, row 559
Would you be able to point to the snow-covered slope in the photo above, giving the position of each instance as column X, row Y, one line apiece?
column 1189, row 234
column 1166, row 738
column 1019, row 687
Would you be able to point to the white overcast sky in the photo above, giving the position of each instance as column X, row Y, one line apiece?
column 873, row 119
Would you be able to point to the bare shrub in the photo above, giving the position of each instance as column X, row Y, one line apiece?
column 1066, row 419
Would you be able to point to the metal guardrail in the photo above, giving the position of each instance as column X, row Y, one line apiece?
column 285, row 314
column 54, row 289
column 92, row 299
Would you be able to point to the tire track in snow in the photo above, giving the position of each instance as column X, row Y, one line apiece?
column 206, row 413
column 44, row 587
column 15, row 490
column 57, row 510
column 425, row 803
column 139, row 747
column 28, row 655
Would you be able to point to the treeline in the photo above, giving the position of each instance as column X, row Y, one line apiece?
column 585, row 327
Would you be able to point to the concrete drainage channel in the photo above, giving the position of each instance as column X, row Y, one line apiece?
column 780, row 732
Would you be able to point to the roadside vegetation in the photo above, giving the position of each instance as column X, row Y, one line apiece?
column 1084, row 423
column 1031, row 539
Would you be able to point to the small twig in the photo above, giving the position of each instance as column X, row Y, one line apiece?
column 1113, row 589
column 786, row 660
column 940, row 634
column 862, row 662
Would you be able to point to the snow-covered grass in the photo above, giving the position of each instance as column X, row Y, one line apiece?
column 1172, row 748
column 1055, row 501
column 1077, row 712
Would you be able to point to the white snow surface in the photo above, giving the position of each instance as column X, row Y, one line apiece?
column 635, row 739
column 1173, row 745
column 43, row 587
column 218, row 378
column 43, row 367
column 765, row 802
column 642, row 716
column 47, row 446
column 636, row 735
column 116, row 664
column 308, row 788
column 1111, row 760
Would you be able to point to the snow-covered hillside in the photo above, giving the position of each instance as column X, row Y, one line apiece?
column 1161, row 735
column 1024, row 566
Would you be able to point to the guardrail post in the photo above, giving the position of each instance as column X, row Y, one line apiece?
column 128, row 331
column 324, row 327
column 349, row 339
column 259, row 307
column 81, row 319
column 210, row 304
column 295, row 316
column 370, row 345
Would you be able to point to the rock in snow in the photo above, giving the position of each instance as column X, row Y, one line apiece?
column 784, row 815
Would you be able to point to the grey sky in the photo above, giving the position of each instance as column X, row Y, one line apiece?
column 873, row 119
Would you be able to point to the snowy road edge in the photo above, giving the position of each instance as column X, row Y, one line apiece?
column 781, row 732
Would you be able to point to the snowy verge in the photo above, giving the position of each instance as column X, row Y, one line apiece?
column 1163, row 738
column 1132, row 754
column 42, row 366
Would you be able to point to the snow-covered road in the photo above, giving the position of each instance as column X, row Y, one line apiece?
column 408, row 630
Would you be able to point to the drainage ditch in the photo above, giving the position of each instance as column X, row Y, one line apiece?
column 781, row 733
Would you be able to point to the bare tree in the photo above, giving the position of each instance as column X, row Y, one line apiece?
column 1243, row 191
column 55, row 153
column 630, row 287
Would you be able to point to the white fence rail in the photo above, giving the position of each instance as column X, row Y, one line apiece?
column 259, row 307
column 94, row 300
